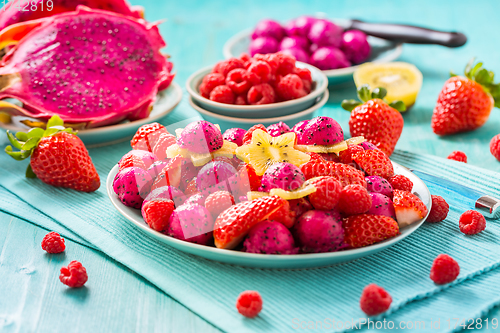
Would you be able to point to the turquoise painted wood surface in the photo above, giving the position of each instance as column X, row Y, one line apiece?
column 32, row 298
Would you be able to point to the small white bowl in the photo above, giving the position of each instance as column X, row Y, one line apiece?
column 320, row 84
column 226, row 122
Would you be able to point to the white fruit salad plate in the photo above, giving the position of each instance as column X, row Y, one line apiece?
column 293, row 261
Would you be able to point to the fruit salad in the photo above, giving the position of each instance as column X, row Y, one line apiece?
column 263, row 79
column 266, row 190
column 316, row 41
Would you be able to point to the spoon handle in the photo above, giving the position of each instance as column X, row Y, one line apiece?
column 410, row 34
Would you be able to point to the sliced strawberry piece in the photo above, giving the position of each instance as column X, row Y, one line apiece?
column 344, row 173
column 375, row 163
column 409, row 208
column 234, row 223
column 366, row 229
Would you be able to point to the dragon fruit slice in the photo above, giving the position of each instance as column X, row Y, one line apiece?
column 282, row 175
column 43, row 8
column 90, row 67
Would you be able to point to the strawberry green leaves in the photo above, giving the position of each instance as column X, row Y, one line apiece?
column 484, row 77
column 365, row 95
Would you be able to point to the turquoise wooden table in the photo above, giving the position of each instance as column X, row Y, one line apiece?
column 32, row 298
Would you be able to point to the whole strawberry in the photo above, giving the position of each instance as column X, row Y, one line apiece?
column 58, row 156
column 465, row 103
column 379, row 122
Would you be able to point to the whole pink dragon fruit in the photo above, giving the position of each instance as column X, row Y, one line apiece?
column 319, row 231
column 235, row 135
column 43, row 8
column 91, row 67
column 132, row 185
column 382, row 205
column 321, row 131
column 278, row 129
column 201, row 137
column 282, row 175
column 192, row 223
column 270, row 237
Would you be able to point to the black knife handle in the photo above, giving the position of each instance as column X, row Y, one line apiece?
column 410, row 34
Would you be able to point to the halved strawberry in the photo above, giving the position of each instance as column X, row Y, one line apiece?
column 146, row 136
column 347, row 156
column 375, row 163
column 234, row 223
column 409, row 208
column 344, row 173
column 366, row 229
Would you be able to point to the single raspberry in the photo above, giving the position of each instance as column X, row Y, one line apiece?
column 218, row 202
column 290, row 87
column 354, row 199
column 247, row 138
column 327, row 193
column 472, row 222
column 345, row 156
column 241, row 100
column 164, row 141
column 286, row 63
column 495, row 146
column 146, row 136
column 74, row 276
column 444, row 269
column 439, row 209
column 156, row 213
column 53, row 243
column 245, row 57
column 222, row 94
column 374, row 300
column 253, row 78
column 249, row 303
column 261, row 94
column 262, row 70
column 210, row 81
column 272, row 62
column 458, row 156
column 303, row 73
column 224, row 67
column 237, row 81
column 400, row 182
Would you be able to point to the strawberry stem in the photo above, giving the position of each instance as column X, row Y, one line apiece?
column 485, row 78
column 365, row 95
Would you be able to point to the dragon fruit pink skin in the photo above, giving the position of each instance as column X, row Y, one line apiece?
column 322, row 131
column 9, row 15
column 90, row 67
column 282, row 175
column 278, row 129
column 270, row 237
column 167, row 192
column 368, row 145
column 192, row 223
column 201, row 137
column 382, row 205
column 155, row 168
column 234, row 135
column 147, row 157
column 132, row 185
column 319, row 231
column 298, row 129
column 216, row 176
column 377, row 184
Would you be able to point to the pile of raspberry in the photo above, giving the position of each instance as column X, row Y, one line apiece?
column 263, row 79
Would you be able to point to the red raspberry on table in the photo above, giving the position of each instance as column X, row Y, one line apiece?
column 472, row 222
column 210, row 81
column 249, row 303
column 222, row 94
column 241, row 100
column 218, row 202
column 495, row 146
column 444, row 269
column 458, row 156
column 354, row 199
column 237, row 80
column 74, row 276
column 439, row 210
column 290, row 87
column 224, row 67
column 261, row 94
column 146, row 136
column 156, row 213
column 400, row 182
column 327, row 193
column 261, row 69
column 53, row 243
column 374, row 300
column 164, row 141
column 247, row 138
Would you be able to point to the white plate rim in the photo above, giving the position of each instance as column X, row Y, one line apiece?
column 180, row 245
column 331, row 73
